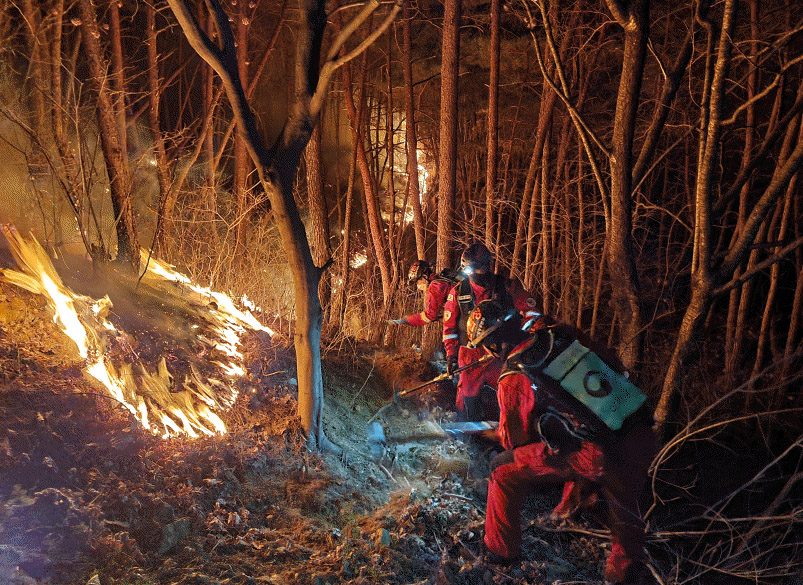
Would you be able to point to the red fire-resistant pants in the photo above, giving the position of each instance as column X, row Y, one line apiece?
column 472, row 379
column 619, row 473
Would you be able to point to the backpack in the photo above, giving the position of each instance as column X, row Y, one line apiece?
column 466, row 301
column 598, row 399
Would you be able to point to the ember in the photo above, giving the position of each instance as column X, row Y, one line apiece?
column 198, row 331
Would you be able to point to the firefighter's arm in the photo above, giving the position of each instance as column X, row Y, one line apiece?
column 416, row 320
column 401, row 321
column 433, row 305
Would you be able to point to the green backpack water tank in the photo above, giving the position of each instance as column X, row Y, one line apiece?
column 607, row 393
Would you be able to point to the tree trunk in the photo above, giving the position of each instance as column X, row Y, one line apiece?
column 154, row 97
column 621, row 254
column 241, row 161
column 389, row 137
column 117, row 78
column 319, row 213
column 33, row 42
column 533, row 172
column 702, row 282
column 411, row 142
column 581, row 251
column 447, row 167
column 766, row 318
column 374, row 219
column 119, row 182
column 493, row 126
column 740, row 297
column 277, row 168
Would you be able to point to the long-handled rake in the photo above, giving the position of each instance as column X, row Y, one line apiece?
column 435, row 380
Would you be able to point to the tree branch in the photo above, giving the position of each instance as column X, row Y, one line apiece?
column 763, row 265
column 340, row 40
column 582, row 129
column 769, row 142
column 333, row 64
column 619, row 12
column 205, row 48
column 669, row 91
column 764, row 92
column 759, row 212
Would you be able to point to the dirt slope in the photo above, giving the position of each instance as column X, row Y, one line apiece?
column 88, row 496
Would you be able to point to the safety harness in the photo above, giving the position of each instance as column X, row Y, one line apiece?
column 467, row 301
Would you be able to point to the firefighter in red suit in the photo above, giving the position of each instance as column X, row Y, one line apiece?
column 436, row 287
column 481, row 284
column 550, row 439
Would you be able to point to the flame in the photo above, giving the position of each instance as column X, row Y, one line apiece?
column 158, row 401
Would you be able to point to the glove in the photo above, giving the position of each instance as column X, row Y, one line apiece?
column 401, row 321
column 451, row 364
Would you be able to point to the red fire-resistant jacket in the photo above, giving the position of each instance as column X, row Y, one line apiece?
column 618, row 470
column 435, row 298
column 452, row 322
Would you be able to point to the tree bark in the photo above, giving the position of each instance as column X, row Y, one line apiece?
column 319, row 213
column 447, row 167
column 634, row 18
column 411, row 142
column 119, row 182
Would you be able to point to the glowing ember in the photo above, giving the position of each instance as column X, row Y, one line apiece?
column 359, row 259
column 152, row 394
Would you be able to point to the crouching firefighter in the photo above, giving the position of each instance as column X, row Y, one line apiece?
column 567, row 414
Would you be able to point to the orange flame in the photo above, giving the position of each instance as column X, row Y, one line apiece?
column 149, row 396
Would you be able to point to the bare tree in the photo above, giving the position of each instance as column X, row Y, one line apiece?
column 111, row 141
column 713, row 276
column 447, row 168
column 278, row 165
column 493, row 126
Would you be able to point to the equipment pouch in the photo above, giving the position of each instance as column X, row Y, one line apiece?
column 607, row 393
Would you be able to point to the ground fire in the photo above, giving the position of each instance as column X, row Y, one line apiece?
column 172, row 358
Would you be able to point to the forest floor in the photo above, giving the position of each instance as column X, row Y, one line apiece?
column 88, row 497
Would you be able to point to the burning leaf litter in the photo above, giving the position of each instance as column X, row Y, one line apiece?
column 183, row 398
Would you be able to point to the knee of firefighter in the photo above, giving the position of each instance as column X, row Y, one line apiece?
column 534, row 455
column 505, row 473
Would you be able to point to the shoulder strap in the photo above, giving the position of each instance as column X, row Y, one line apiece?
column 500, row 291
column 465, row 296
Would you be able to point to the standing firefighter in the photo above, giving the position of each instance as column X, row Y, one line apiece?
column 482, row 284
column 567, row 414
column 436, row 287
